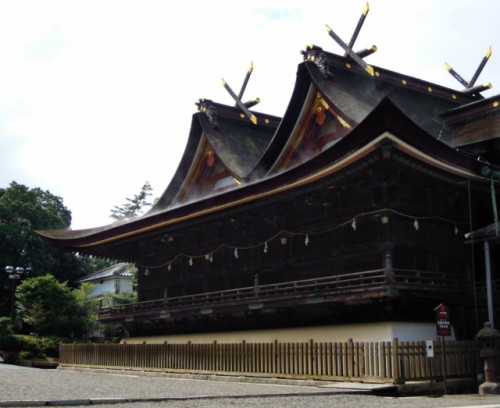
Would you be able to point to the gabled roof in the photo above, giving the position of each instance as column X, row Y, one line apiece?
column 360, row 113
column 385, row 126
column 118, row 270
column 219, row 135
column 350, row 94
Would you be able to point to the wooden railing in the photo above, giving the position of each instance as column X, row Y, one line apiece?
column 336, row 284
column 388, row 362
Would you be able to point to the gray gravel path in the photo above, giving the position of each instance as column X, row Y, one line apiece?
column 18, row 383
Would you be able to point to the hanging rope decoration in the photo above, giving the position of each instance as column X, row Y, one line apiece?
column 282, row 236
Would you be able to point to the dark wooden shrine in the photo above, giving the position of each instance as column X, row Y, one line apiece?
column 352, row 208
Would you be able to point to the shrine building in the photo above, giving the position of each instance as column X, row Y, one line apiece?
column 346, row 218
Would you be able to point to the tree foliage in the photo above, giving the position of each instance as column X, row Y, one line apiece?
column 50, row 308
column 24, row 210
column 90, row 305
column 135, row 206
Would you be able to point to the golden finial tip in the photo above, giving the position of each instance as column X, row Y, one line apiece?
column 253, row 118
column 489, row 52
column 366, row 9
column 447, row 66
column 328, row 29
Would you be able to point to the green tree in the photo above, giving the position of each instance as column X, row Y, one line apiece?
column 49, row 308
column 135, row 206
column 115, row 332
column 22, row 211
column 90, row 305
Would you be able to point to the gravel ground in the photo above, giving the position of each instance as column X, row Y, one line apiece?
column 18, row 383
column 328, row 401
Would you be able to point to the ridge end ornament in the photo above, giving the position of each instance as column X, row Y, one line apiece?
column 322, row 63
column 209, row 110
column 315, row 54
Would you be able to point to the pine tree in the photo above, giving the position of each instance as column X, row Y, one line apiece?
column 135, row 206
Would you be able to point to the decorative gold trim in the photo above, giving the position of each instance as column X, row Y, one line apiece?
column 370, row 70
column 323, row 102
column 343, row 122
column 495, row 104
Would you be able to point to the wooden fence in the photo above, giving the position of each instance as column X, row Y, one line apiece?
column 388, row 362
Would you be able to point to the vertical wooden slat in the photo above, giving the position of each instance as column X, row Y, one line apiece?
column 383, row 361
column 396, row 375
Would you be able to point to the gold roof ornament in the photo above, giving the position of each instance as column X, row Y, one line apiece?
column 238, row 98
column 469, row 86
column 356, row 56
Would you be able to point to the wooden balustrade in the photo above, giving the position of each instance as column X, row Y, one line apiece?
column 388, row 362
column 336, row 284
column 375, row 278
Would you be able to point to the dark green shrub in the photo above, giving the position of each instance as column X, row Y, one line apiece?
column 50, row 345
column 29, row 345
column 8, row 340
column 26, row 355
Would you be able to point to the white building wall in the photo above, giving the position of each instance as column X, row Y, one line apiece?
column 382, row 331
column 108, row 285
column 126, row 286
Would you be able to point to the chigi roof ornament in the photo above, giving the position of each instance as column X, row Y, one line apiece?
column 356, row 56
column 205, row 105
column 237, row 98
column 469, row 86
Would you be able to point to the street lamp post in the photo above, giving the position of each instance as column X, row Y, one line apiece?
column 15, row 276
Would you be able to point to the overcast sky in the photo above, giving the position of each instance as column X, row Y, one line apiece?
column 96, row 97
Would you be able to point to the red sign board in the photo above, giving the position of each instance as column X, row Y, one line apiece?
column 443, row 325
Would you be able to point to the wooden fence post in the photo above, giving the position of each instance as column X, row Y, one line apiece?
column 396, row 374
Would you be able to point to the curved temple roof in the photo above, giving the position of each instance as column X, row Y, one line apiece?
column 336, row 114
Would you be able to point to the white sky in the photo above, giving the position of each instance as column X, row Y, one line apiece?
column 96, row 97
